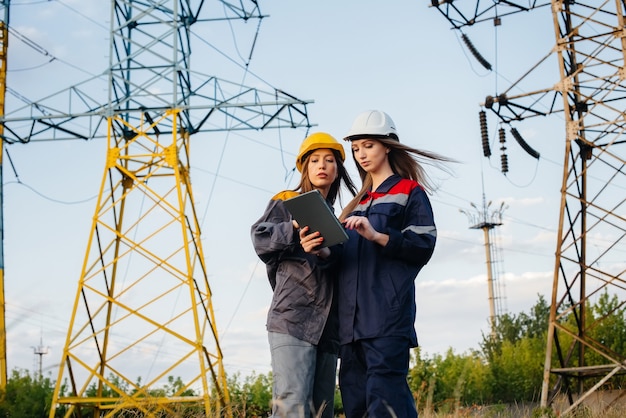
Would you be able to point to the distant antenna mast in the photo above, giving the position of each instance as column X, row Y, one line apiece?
column 483, row 218
column 40, row 351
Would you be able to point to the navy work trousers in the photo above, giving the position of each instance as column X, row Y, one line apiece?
column 372, row 378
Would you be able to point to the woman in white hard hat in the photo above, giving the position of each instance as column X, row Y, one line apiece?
column 392, row 236
column 302, row 318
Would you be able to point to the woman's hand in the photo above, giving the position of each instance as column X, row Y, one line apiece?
column 364, row 228
column 310, row 242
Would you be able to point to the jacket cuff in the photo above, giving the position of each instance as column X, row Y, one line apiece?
column 394, row 243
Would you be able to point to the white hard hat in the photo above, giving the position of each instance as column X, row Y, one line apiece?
column 372, row 124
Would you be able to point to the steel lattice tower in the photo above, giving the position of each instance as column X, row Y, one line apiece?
column 143, row 291
column 590, row 93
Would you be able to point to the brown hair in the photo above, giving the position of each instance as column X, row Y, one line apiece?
column 335, row 188
column 404, row 161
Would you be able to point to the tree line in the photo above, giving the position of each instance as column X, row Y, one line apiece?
column 506, row 368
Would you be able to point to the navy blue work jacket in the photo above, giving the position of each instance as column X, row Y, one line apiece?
column 377, row 284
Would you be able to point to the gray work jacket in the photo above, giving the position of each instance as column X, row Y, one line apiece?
column 304, row 285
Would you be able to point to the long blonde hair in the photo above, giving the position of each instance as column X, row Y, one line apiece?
column 405, row 161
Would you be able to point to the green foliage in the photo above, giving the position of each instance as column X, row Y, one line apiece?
column 173, row 387
column 543, row 413
column 513, row 328
column 609, row 315
column 338, row 403
column 461, row 377
column 26, row 396
column 107, row 391
column 605, row 322
column 444, row 382
column 508, row 369
column 518, row 370
column 517, row 354
column 252, row 397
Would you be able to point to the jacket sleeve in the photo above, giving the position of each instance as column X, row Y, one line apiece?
column 272, row 235
column 415, row 241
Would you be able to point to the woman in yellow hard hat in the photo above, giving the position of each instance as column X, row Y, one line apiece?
column 302, row 321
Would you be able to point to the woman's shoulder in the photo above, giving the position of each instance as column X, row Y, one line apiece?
column 285, row 194
column 405, row 185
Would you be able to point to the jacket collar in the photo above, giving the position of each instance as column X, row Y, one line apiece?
column 389, row 182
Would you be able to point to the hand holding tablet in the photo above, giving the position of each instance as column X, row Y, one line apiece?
column 310, row 209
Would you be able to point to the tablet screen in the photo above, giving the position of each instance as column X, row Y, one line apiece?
column 310, row 209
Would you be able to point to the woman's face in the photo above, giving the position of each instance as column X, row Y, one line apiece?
column 322, row 169
column 370, row 154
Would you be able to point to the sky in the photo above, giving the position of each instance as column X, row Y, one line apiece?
column 397, row 56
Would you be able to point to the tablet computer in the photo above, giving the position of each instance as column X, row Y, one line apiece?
column 310, row 209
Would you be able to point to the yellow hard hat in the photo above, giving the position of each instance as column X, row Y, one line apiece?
column 316, row 141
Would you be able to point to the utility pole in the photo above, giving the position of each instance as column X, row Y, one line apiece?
column 483, row 218
column 40, row 351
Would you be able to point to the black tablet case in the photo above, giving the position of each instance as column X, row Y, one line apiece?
column 310, row 209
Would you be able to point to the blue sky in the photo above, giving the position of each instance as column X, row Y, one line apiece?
column 350, row 56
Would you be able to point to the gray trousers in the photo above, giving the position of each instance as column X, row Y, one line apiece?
column 304, row 378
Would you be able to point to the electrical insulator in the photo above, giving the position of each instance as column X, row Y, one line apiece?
column 523, row 144
column 484, row 134
column 504, row 162
column 475, row 52
column 502, row 136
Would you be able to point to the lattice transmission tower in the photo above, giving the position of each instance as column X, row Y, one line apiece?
column 143, row 292
column 588, row 91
